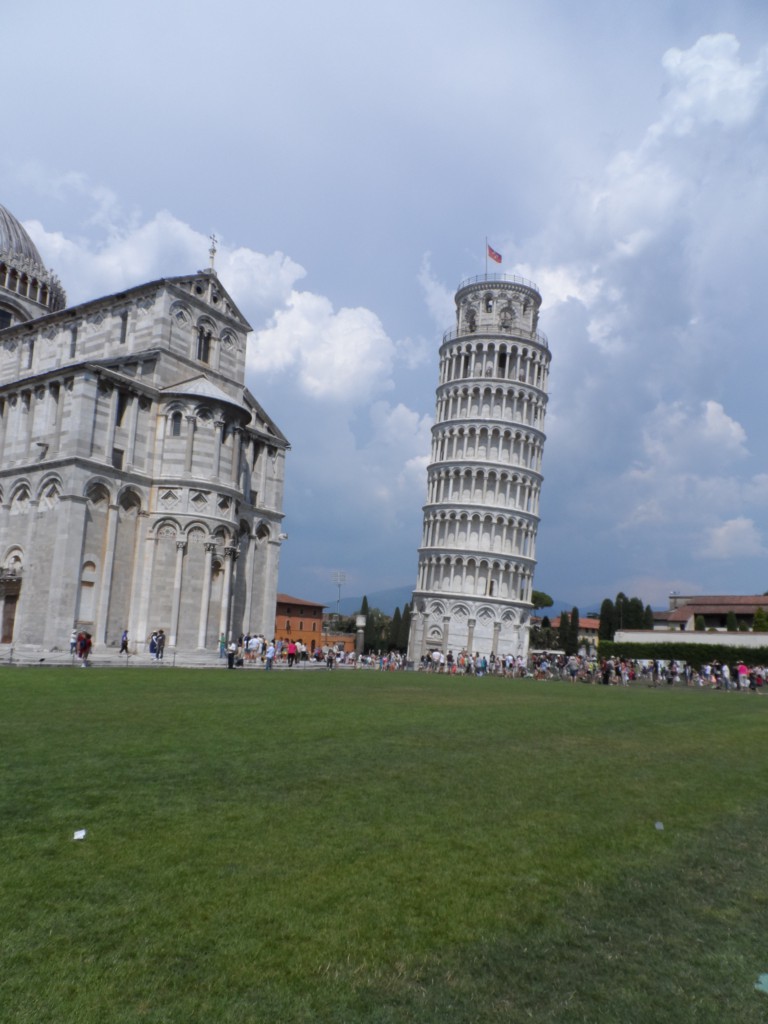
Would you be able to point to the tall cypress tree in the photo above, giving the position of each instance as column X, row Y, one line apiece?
column 634, row 614
column 607, row 620
column 564, row 631
column 573, row 633
column 395, row 625
column 405, row 628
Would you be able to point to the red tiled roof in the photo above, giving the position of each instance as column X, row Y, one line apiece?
column 287, row 599
column 583, row 623
column 716, row 602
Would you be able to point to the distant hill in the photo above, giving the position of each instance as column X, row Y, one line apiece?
column 385, row 600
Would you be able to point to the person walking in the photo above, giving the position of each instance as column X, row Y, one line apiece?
column 270, row 654
column 124, row 643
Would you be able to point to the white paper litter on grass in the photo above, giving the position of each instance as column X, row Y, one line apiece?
column 660, row 826
column 80, row 834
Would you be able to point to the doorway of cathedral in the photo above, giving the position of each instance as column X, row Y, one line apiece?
column 9, row 617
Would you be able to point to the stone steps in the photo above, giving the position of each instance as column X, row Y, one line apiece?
column 31, row 654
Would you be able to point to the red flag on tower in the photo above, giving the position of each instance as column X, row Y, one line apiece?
column 495, row 256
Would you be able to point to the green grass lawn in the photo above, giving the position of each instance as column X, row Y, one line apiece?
column 378, row 848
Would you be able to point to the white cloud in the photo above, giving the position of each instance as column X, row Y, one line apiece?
column 735, row 538
column 160, row 247
column 677, row 436
column 344, row 355
column 439, row 298
column 708, row 85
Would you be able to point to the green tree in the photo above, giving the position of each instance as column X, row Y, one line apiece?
column 760, row 621
column 546, row 623
column 364, row 606
column 564, row 631
column 620, row 604
column 634, row 614
column 731, row 622
column 405, row 628
column 543, row 638
column 648, row 619
column 698, row 623
column 573, row 633
column 376, row 630
column 395, row 627
column 607, row 620
column 541, row 600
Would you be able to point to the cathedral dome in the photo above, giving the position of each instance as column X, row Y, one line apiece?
column 27, row 289
column 14, row 240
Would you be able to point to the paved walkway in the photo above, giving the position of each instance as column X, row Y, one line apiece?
column 108, row 657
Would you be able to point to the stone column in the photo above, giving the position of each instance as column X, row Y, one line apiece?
column 424, row 634
column 105, row 585
column 132, row 432
column 237, row 440
column 3, row 427
column 27, row 410
column 446, row 627
column 190, row 444
column 180, row 546
column 250, row 557
column 205, row 599
column 269, row 593
column 226, row 595
column 109, row 441
column 83, row 410
column 148, row 565
column 136, row 631
column 470, row 635
column 217, row 446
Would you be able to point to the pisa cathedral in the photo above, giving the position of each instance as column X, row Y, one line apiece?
column 141, row 483
column 478, row 546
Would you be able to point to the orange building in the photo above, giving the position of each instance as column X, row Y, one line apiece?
column 299, row 619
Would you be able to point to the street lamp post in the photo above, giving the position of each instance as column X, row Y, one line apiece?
column 338, row 577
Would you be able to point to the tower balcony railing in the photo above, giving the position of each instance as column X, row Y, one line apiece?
column 536, row 337
column 498, row 279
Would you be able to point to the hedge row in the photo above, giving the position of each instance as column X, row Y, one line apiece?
column 693, row 654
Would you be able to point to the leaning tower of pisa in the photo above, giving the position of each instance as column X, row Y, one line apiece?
column 478, row 546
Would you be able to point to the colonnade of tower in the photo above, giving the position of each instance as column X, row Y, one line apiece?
column 478, row 546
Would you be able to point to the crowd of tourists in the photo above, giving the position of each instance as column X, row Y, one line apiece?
column 600, row 671
column 468, row 664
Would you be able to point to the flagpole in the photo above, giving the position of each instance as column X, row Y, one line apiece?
column 486, row 256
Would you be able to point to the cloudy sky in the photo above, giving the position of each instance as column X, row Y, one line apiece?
column 351, row 158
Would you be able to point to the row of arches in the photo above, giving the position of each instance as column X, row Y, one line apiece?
column 494, row 445
column 508, row 404
column 31, row 286
column 483, row 487
column 475, row 577
column 492, row 359
column 508, row 535
column 459, row 611
column 205, row 440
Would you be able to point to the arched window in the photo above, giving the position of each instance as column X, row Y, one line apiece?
column 176, row 425
column 203, row 343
